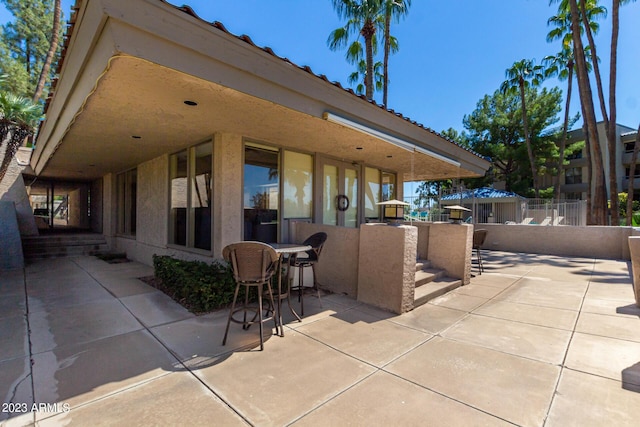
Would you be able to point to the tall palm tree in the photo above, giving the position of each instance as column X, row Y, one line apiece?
column 521, row 75
column 561, row 65
column 18, row 118
column 562, row 31
column 393, row 9
column 53, row 47
column 599, row 201
column 363, row 19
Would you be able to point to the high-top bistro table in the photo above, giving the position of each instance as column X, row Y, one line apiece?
column 291, row 249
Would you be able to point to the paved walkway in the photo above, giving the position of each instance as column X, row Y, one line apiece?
column 534, row 341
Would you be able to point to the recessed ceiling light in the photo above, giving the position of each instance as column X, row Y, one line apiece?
column 388, row 157
column 191, row 103
column 358, row 148
column 92, row 165
column 136, row 136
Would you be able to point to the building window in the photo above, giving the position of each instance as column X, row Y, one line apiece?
column 573, row 176
column 126, row 193
column 573, row 196
column 627, row 170
column 575, row 156
column 629, row 146
column 297, row 185
column 190, row 204
column 261, row 193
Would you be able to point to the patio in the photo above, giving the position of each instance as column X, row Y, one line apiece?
column 535, row 340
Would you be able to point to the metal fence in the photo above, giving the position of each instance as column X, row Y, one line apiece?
column 502, row 211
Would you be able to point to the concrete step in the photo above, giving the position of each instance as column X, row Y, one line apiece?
column 427, row 275
column 434, row 289
column 423, row 264
column 52, row 246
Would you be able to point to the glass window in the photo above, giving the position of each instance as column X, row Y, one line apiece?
column 261, row 194
column 190, row 204
column 372, row 193
column 298, row 185
column 388, row 186
column 573, row 176
column 126, row 195
column 201, row 196
column 178, row 213
column 329, row 195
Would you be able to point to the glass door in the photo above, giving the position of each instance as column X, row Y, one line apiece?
column 340, row 193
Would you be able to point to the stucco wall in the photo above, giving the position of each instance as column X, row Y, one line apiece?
column 152, row 202
column 78, row 208
column 449, row 249
column 12, row 189
column 338, row 267
column 387, row 266
column 227, row 191
column 588, row 241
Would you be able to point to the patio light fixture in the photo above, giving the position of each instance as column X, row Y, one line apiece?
column 393, row 210
column 456, row 212
column 386, row 137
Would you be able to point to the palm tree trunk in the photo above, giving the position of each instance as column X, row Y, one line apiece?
column 368, row 78
column 387, row 48
column 611, row 131
column 599, row 201
column 587, row 149
column 527, row 139
column 563, row 140
column 608, row 121
column 14, row 136
column 632, row 173
column 55, row 31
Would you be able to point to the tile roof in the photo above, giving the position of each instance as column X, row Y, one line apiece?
column 218, row 25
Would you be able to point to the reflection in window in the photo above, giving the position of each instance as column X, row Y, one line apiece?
column 178, row 211
column 261, row 195
column 190, row 204
column 201, row 196
column 126, row 196
column 388, row 186
column 298, row 185
column 371, row 193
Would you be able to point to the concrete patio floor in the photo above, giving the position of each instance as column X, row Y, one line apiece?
column 534, row 341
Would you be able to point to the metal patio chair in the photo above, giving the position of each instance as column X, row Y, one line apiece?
column 253, row 265
column 316, row 241
column 479, row 237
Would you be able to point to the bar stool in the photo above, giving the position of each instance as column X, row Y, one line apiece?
column 253, row 265
column 316, row 241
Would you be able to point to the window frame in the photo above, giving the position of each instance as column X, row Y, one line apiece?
column 189, row 214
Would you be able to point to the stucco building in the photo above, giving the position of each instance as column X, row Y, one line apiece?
column 574, row 182
column 184, row 137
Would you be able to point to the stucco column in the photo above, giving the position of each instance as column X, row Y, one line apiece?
column 227, row 191
column 450, row 248
column 387, row 266
column 634, row 248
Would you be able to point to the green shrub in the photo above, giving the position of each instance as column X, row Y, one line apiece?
column 198, row 286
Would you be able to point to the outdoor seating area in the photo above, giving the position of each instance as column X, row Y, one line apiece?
column 535, row 340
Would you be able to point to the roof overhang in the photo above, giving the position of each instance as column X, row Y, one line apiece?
column 129, row 67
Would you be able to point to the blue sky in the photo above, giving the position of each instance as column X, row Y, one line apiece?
column 452, row 52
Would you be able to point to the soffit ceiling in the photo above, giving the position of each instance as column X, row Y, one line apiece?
column 136, row 98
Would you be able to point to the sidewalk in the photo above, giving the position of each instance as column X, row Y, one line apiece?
column 534, row 341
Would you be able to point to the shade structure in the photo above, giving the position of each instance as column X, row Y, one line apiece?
column 458, row 208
